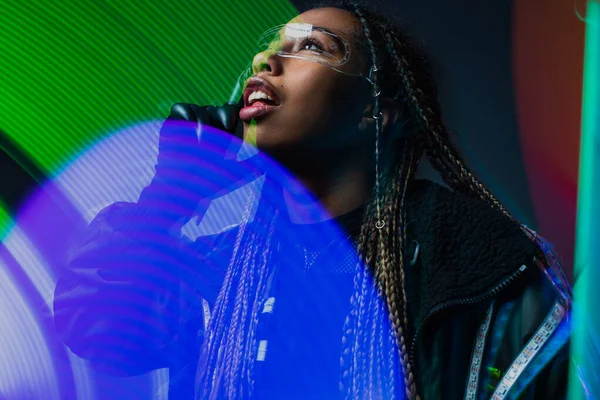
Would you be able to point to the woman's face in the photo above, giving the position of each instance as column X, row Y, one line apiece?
column 319, row 108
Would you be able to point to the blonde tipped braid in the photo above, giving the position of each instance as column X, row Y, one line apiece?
column 409, row 378
column 393, row 282
column 386, row 279
column 401, row 71
column 385, row 268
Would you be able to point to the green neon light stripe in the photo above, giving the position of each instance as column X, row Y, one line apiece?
column 6, row 221
column 81, row 70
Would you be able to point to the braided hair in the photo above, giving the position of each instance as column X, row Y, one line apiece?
column 375, row 352
column 229, row 349
column 402, row 71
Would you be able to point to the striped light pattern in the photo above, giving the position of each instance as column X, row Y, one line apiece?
column 114, row 169
column 121, row 165
column 76, row 71
column 27, row 366
column 121, row 179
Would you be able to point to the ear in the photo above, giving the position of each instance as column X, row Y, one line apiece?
column 389, row 111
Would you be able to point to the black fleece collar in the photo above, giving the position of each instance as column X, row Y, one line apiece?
column 465, row 247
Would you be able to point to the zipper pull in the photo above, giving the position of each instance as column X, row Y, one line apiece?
column 522, row 268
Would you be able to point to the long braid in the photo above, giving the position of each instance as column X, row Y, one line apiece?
column 390, row 274
column 443, row 155
column 385, row 385
column 360, row 335
column 211, row 350
column 262, row 282
column 416, row 85
column 349, row 333
column 256, row 271
column 228, row 350
column 387, row 279
column 349, row 384
column 238, row 323
column 409, row 379
column 396, row 285
column 372, row 328
column 416, row 97
column 382, row 274
column 225, row 365
column 380, row 279
column 377, row 115
column 395, row 205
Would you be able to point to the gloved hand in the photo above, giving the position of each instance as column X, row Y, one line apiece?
column 197, row 163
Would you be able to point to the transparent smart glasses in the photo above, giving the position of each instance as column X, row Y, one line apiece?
column 306, row 42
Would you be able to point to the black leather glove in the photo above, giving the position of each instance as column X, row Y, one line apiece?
column 197, row 163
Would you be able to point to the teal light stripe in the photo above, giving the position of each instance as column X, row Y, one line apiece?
column 587, row 247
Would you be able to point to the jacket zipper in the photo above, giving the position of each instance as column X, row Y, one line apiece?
column 454, row 303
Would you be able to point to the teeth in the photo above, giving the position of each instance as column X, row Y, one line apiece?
column 258, row 95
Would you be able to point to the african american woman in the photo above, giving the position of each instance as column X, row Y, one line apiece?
column 430, row 291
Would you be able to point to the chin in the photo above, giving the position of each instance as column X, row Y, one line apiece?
column 275, row 148
column 271, row 140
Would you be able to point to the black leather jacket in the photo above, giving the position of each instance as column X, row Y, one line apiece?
column 478, row 295
column 477, row 274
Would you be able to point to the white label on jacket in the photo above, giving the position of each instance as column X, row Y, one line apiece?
column 534, row 345
column 477, row 356
column 262, row 350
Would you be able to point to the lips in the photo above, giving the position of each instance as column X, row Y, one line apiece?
column 256, row 84
column 259, row 107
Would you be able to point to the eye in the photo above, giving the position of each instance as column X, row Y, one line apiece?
column 312, row 45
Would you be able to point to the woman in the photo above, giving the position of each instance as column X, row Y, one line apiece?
column 450, row 296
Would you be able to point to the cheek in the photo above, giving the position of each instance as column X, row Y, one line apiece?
column 324, row 97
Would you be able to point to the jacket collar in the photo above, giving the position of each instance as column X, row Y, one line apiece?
column 465, row 247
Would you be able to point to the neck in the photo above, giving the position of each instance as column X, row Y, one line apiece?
column 339, row 183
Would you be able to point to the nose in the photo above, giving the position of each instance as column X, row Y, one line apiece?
column 267, row 61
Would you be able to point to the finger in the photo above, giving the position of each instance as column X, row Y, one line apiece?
column 216, row 118
column 181, row 111
column 228, row 115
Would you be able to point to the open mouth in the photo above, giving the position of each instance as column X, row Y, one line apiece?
column 259, row 90
column 259, row 99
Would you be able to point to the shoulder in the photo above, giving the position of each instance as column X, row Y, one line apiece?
column 465, row 226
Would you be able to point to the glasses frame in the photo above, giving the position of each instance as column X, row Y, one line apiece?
column 251, row 71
